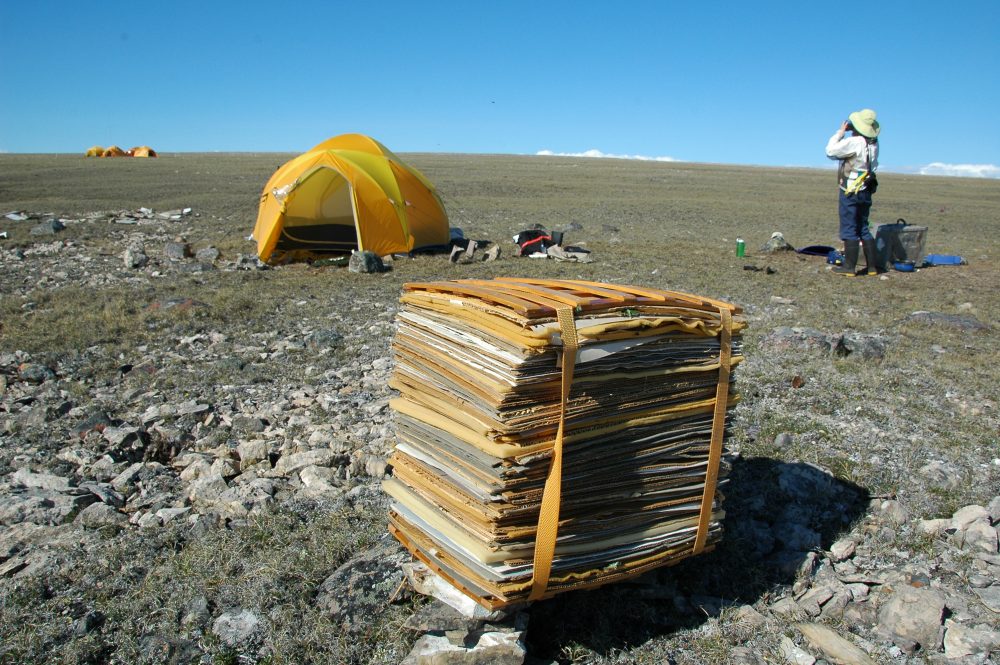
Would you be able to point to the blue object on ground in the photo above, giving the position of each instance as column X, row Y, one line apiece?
column 904, row 266
column 943, row 260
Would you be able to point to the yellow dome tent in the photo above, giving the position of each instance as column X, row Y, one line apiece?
column 95, row 151
column 348, row 192
column 142, row 151
column 114, row 151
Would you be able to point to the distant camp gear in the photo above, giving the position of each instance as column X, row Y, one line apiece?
column 536, row 241
column 932, row 260
column 899, row 242
column 816, row 250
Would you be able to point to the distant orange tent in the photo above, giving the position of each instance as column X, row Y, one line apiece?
column 114, row 151
column 142, row 151
column 95, row 151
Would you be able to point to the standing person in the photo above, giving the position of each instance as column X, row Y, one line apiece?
column 858, row 156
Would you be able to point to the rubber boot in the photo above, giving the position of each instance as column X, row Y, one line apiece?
column 870, row 257
column 850, row 261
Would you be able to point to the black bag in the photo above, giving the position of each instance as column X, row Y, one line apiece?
column 871, row 182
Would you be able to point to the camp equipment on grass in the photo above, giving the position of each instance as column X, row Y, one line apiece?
column 349, row 192
column 932, row 260
column 900, row 242
column 142, row 151
column 95, row 151
column 558, row 434
column 114, row 151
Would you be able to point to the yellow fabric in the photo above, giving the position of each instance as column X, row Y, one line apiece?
column 718, row 430
column 142, row 151
column 95, row 151
column 113, row 151
column 393, row 207
column 548, row 519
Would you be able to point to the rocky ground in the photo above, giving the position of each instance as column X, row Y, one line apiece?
column 192, row 484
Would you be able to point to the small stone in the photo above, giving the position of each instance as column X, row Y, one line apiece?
column 965, row 517
column 288, row 464
column 834, row 646
column 894, row 512
column 913, row 615
column 977, row 581
column 135, row 258
column 748, row 616
column 252, row 452
column 207, row 254
column 963, row 642
column 843, row 549
column 177, row 251
column 783, row 440
column 166, row 515
column 776, row 243
column 981, row 536
column 993, row 508
column 933, row 528
column 940, row 474
column 207, row 490
column 786, row 607
column 795, row 655
column 48, row 228
column 858, row 590
column 100, row 515
column 990, row 597
column 474, row 648
column 236, row 627
column 813, row 599
column 45, row 481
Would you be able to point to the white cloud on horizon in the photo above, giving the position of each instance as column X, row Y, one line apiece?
column 961, row 170
column 603, row 155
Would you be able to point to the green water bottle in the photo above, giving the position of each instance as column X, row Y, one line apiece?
column 741, row 247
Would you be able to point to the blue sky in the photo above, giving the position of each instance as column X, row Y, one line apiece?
column 724, row 82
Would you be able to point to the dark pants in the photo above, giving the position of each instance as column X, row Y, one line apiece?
column 854, row 209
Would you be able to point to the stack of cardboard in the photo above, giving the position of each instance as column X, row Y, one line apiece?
column 557, row 434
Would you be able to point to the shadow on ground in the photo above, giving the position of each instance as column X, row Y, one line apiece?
column 778, row 514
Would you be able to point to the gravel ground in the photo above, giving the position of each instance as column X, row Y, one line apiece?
column 191, row 445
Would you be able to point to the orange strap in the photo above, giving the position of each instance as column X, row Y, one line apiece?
column 718, row 429
column 548, row 517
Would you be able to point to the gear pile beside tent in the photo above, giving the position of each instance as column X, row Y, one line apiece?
column 348, row 193
column 558, row 435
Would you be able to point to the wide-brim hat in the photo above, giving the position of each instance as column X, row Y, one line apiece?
column 864, row 123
